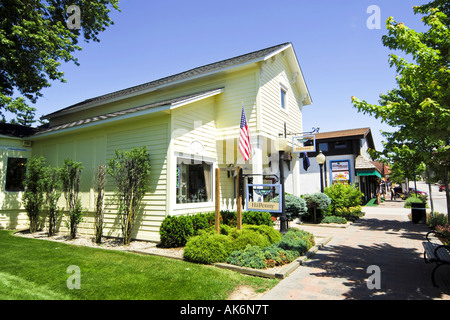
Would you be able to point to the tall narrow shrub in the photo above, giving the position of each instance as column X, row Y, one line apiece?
column 71, row 178
column 33, row 197
column 52, row 188
column 99, row 184
column 131, row 172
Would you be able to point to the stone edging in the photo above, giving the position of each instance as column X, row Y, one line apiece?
column 279, row 273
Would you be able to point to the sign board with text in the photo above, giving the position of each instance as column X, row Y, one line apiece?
column 259, row 197
column 304, row 143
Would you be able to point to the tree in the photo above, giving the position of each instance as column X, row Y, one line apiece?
column 419, row 107
column 99, row 184
column 35, row 39
column 33, row 197
column 131, row 172
column 317, row 201
column 71, row 178
column 52, row 188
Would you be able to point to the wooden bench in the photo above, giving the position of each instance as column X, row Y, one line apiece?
column 435, row 253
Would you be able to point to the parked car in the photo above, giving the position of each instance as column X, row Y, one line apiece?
column 413, row 191
column 442, row 188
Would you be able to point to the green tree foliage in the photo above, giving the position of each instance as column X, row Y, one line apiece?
column 317, row 201
column 99, row 184
column 33, row 197
column 34, row 40
column 294, row 206
column 71, row 178
column 52, row 189
column 343, row 196
column 131, row 172
column 420, row 104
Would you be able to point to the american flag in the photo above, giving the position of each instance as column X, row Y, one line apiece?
column 244, row 138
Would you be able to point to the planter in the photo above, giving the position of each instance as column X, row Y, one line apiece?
column 418, row 212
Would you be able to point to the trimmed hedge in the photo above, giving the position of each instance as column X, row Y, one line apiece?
column 208, row 248
column 176, row 230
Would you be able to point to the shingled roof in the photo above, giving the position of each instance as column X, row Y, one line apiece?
column 360, row 132
column 193, row 73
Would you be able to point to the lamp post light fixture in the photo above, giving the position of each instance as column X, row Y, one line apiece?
column 282, row 146
column 321, row 160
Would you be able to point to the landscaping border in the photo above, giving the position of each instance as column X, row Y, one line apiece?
column 277, row 272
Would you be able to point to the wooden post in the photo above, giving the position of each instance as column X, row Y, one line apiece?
column 239, row 199
column 217, row 199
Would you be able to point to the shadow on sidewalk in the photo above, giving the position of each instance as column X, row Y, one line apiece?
column 403, row 273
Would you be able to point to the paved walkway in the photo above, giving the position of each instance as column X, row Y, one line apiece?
column 385, row 238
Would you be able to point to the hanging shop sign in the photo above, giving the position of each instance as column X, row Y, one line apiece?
column 259, row 197
column 304, row 143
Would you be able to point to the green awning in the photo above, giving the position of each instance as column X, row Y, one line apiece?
column 368, row 173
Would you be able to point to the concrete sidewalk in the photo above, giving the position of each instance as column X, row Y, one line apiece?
column 384, row 238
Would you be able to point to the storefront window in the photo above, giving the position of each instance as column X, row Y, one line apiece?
column 15, row 174
column 194, row 181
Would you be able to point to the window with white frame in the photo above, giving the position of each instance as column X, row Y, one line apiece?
column 283, row 97
column 194, row 180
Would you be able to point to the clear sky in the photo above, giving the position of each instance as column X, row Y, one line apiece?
column 339, row 55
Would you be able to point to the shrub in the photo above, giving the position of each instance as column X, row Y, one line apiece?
column 414, row 199
column 250, row 256
column 294, row 206
column 99, row 184
column 350, row 213
column 445, row 231
column 131, row 173
column 257, row 218
column 317, row 203
column 71, row 179
column 175, row 231
column 208, row 248
column 33, row 197
column 52, row 187
column 343, row 196
column 270, row 233
column 277, row 256
column 228, row 217
column 297, row 240
column 244, row 237
column 436, row 219
column 199, row 222
column 334, row 219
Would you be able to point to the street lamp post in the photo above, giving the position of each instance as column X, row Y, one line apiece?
column 321, row 160
column 282, row 145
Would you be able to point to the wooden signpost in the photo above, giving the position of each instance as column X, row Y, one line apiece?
column 217, row 197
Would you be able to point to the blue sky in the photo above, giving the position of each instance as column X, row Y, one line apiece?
column 339, row 55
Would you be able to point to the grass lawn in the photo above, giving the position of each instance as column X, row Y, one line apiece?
column 37, row 269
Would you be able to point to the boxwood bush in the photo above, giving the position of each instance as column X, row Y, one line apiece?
column 244, row 237
column 208, row 248
column 176, row 230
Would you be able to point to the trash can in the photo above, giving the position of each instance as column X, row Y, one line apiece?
column 418, row 212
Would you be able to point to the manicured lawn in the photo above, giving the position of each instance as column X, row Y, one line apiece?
column 37, row 269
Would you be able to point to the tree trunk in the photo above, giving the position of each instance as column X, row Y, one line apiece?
column 429, row 190
column 447, row 192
